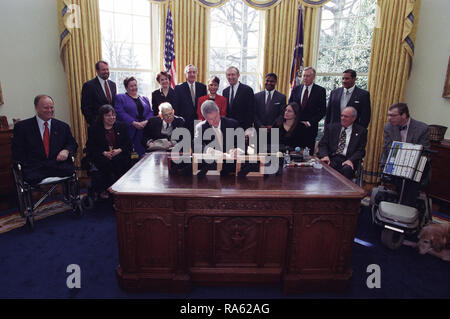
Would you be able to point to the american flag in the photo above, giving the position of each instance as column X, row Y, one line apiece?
column 297, row 60
column 169, row 50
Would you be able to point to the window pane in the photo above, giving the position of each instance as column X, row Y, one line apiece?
column 123, row 29
column 141, row 30
column 141, row 7
column 126, row 41
column 235, row 40
column 122, row 6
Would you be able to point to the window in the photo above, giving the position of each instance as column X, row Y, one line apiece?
column 236, row 39
column 345, row 41
column 130, row 41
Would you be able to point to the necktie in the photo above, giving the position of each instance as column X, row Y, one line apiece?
column 403, row 127
column 108, row 94
column 231, row 97
column 305, row 98
column 192, row 93
column 341, row 145
column 46, row 139
column 269, row 99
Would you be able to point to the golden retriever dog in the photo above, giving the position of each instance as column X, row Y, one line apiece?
column 434, row 238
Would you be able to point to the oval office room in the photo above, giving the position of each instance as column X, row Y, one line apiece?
column 303, row 232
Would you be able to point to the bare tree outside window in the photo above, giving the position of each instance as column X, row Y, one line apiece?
column 235, row 39
column 126, row 42
column 346, row 30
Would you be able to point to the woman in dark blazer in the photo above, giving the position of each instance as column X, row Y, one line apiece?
column 109, row 148
column 164, row 94
column 290, row 130
column 162, row 126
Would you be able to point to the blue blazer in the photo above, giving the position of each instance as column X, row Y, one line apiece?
column 127, row 112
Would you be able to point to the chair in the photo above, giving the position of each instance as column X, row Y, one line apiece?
column 27, row 205
column 358, row 176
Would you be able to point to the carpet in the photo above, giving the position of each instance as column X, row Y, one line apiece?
column 14, row 220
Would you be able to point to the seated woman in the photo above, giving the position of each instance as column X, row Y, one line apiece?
column 221, row 101
column 134, row 110
column 162, row 127
column 109, row 148
column 290, row 130
column 164, row 94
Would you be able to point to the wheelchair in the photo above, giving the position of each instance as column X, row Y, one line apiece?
column 398, row 220
column 358, row 176
column 27, row 205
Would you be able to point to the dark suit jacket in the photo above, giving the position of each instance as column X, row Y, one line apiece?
column 276, row 108
column 158, row 98
column 96, row 143
column 184, row 106
column 243, row 108
column 92, row 97
column 360, row 100
column 28, row 148
column 357, row 145
column 314, row 111
column 418, row 133
column 152, row 131
column 224, row 124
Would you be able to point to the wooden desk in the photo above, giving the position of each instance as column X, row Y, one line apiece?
column 296, row 228
column 6, row 178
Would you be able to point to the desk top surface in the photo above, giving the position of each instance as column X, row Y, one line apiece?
column 150, row 176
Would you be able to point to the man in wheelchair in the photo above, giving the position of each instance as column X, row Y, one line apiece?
column 43, row 149
column 43, row 146
column 401, row 127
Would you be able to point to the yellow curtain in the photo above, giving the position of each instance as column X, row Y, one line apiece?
column 281, row 30
column 80, row 45
column 390, row 62
column 190, row 28
column 310, row 33
column 256, row 4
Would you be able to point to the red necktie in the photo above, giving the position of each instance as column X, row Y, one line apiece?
column 305, row 98
column 108, row 95
column 46, row 139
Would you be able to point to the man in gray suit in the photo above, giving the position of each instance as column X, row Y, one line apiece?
column 348, row 95
column 401, row 127
column 269, row 104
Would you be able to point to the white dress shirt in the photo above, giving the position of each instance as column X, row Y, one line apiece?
column 42, row 126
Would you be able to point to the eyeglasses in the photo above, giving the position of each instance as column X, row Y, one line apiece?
column 167, row 116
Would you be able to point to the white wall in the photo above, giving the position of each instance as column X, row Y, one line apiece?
column 29, row 58
column 432, row 49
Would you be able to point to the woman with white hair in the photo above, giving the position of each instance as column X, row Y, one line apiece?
column 161, row 127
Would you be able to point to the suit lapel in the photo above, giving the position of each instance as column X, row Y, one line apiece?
column 353, row 140
column 36, row 132
column 411, row 129
column 100, row 92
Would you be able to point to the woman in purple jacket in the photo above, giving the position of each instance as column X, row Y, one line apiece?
column 134, row 110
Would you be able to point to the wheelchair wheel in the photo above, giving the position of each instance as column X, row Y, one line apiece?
column 392, row 239
column 78, row 209
column 29, row 223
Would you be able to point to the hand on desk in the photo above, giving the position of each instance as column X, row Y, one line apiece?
column 326, row 160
